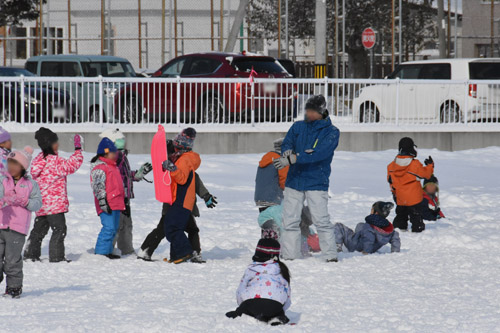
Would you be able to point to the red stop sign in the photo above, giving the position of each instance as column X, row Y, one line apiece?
column 368, row 38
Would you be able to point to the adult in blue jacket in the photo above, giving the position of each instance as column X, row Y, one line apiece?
column 308, row 149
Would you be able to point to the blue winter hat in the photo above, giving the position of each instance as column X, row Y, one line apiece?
column 106, row 146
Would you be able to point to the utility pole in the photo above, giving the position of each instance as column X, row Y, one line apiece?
column 40, row 29
column 320, row 40
column 344, row 16
column 392, row 34
column 162, row 32
column 492, row 42
column 212, row 23
column 448, row 31
column 139, row 22
column 49, row 43
column 109, row 28
column 175, row 26
column 69, row 26
column 279, row 28
column 286, row 31
column 400, row 22
column 455, row 46
column 221, row 26
column 237, row 24
column 102, row 27
column 336, row 39
column 440, row 26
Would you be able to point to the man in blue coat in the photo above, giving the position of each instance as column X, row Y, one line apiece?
column 308, row 149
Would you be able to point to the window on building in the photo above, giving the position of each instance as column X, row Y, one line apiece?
column 483, row 51
column 21, row 45
column 56, row 41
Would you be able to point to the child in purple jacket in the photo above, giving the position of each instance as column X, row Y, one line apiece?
column 5, row 149
column 19, row 196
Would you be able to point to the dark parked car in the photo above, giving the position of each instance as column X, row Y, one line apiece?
column 41, row 102
column 209, row 102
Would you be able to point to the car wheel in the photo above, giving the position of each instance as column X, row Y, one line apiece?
column 131, row 111
column 450, row 113
column 211, row 110
column 368, row 113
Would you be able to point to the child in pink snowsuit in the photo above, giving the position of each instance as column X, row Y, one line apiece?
column 19, row 196
column 50, row 171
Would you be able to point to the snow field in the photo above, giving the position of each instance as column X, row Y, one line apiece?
column 445, row 279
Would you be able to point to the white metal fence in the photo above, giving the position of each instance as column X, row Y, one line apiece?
column 230, row 101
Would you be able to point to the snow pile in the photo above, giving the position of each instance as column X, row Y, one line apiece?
column 445, row 279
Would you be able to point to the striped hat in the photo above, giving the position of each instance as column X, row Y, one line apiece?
column 267, row 249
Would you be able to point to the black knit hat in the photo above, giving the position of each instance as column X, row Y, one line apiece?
column 407, row 147
column 46, row 138
column 383, row 208
column 318, row 104
column 267, row 249
column 431, row 180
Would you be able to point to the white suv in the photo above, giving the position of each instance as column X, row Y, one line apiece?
column 457, row 93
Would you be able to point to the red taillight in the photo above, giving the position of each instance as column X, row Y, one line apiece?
column 473, row 90
column 238, row 88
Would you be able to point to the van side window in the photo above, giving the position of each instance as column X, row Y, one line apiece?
column 407, row 72
column 31, row 66
column 435, row 72
column 53, row 68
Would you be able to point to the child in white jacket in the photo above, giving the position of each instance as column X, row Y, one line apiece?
column 264, row 291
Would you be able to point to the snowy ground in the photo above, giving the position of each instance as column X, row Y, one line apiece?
column 444, row 280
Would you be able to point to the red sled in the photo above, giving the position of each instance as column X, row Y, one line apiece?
column 162, row 179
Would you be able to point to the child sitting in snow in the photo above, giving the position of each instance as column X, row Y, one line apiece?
column 109, row 195
column 51, row 171
column 5, row 149
column 430, row 208
column 369, row 237
column 264, row 291
column 271, row 223
column 19, row 196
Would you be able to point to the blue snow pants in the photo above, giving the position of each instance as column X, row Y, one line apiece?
column 110, row 224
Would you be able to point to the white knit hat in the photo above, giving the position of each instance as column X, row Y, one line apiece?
column 112, row 134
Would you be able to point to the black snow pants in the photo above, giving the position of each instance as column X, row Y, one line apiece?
column 261, row 309
column 412, row 213
column 57, row 223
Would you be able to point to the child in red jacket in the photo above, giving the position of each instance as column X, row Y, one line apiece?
column 109, row 194
column 430, row 208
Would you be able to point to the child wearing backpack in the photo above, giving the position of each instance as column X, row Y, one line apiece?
column 124, row 237
column 19, row 196
column 109, row 195
column 50, row 172
column 264, row 291
column 403, row 175
column 5, row 149
column 370, row 236
column 430, row 209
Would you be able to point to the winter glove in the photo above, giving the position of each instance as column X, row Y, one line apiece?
column 210, row 201
column 9, row 198
column 284, row 161
column 143, row 170
column 21, row 202
column 429, row 161
column 168, row 165
column 103, row 203
column 287, row 153
column 233, row 314
column 78, row 140
column 126, row 212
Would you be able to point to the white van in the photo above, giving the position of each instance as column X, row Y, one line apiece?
column 437, row 101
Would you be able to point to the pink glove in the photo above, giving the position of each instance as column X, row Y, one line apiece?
column 9, row 198
column 78, row 141
column 22, row 202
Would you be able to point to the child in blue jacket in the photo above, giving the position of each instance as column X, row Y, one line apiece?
column 370, row 236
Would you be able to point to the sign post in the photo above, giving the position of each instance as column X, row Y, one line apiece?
column 368, row 39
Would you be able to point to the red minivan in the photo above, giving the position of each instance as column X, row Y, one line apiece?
column 206, row 99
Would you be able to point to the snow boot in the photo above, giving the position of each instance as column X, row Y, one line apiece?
column 197, row 259
column 280, row 320
column 332, row 260
column 32, row 259
column 143, row 254
column 13, row 292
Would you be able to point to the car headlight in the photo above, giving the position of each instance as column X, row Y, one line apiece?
column 31, row 100
column 357, row 93
column 110, row 92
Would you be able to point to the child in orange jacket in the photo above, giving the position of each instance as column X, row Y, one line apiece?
column 404, row 175
column 183, row 188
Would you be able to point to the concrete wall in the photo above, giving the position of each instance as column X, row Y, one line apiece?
column 245, row 143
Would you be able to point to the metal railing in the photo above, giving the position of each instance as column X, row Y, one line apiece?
column 229, row 101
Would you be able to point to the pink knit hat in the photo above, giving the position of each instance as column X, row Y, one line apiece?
column 23, row 157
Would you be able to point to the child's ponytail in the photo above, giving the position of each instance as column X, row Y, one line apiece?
column 285, row 272
column 95, row 158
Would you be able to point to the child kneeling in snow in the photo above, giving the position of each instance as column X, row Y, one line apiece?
column 20, row 195
column 264, row 291
column 430, row 207
column 369, row 237
column 109, row 195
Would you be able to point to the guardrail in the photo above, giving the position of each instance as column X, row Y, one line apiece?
column 226, row 101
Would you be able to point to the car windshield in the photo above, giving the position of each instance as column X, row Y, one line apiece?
column 15, row 72
column 484, row 70
column 108, row 69
column 263, row 65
